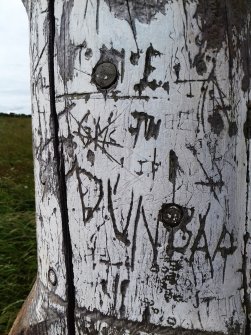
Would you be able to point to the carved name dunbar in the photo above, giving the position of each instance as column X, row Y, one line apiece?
column 193, row 243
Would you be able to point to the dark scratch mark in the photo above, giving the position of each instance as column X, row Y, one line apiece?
column 135, row 233
column 116, row 286
column 91, row 157
column 104, row 287
column 216, row 121
column 123, row 288
column 86, row 7
column 197, row 242
column 247, row 124
column 116, row 185
column 97, row 16
column 154, row 242
column 144, row 82
column 146, row 316
column 134, row 59
column 121, row 236
column 155, row 165
column 225, row 251
column 177, row 71
column 151, row 128
column 88, row 211
column 174, row 168
column 65, row 47
column 132, row 24
column 210, row 182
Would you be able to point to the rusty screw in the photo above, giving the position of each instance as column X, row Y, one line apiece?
column 52, row 277
column 105, row 75
column 171, row 215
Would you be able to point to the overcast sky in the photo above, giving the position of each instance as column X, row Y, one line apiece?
column 14, row 58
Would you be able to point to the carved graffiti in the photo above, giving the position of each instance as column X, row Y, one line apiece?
column 149, row 68
column 97, row 136
column 151, row 129
column 152, row 166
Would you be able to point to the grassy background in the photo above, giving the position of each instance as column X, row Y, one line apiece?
column 17, row 217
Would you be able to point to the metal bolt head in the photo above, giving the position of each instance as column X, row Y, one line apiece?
column 171, row 215
column 105, row 75
column 52, row 277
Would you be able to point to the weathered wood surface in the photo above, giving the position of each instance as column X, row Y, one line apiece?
column 115, row 255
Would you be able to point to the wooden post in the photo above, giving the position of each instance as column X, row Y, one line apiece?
column 141, row 125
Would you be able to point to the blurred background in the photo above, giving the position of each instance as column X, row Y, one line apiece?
column 17, row 205
column 14, row 58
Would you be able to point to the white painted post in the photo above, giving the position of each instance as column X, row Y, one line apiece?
column 141, row 125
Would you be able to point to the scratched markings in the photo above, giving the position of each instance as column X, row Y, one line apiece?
column 161, row 136
column 149, row 130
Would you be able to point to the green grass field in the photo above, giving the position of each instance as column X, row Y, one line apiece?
column 17, row 217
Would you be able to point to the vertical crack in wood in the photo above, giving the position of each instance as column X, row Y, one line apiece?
column 58, row 150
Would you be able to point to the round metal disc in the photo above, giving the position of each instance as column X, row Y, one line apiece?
column 105, row 75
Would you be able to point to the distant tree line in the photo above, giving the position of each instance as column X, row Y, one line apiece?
column 15, row 115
